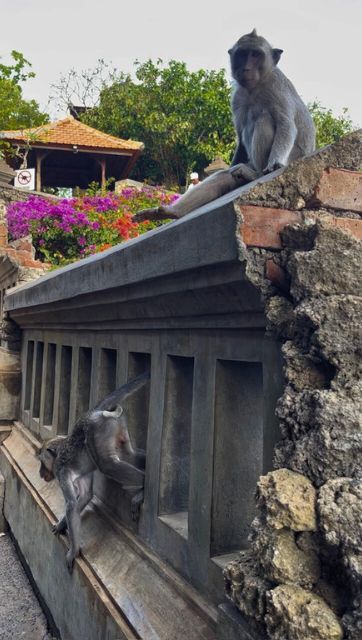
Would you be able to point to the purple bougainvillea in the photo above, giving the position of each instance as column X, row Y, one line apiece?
column 66, row 230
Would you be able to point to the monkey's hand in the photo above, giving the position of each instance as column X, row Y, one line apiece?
column 155, row 213
column 273, row 166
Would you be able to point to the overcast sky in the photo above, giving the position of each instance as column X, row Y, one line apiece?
column 321, row 39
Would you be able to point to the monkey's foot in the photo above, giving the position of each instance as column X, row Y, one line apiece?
column 70, row 558
column 155, row 213
column 242, row 173
column 136, row 503
column 273, row 167
column 60, row 527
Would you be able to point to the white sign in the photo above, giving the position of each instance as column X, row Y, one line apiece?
column 25, row 179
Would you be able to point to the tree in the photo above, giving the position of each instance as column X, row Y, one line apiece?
column 182, row 117
column 15, row 111
column 329, row 128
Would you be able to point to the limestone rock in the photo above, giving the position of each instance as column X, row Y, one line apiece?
column 322, row 433
column 294, row 613
column 298, row 237
column 352, row 620
column 340, row 513
column 301, row 371
column 333, row 266
column 335, row 323
column 280, row 315
column 288, row 499
column 283, row 561
column 246, row 588
column 334, row 597
column 296, row 412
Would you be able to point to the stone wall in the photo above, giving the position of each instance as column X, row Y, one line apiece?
column 17, row 264
column 205, row 303
column 302, row 577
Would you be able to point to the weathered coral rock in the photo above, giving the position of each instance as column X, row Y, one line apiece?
column 301, row 371
column 352, row 620
column 281, row 319
column 332, row 267
column 340, row 513
column 297, row 614
column 288, row 499
column 336, row 323
column 334, row 597
column 320, row 412
column 246, row 588
column 322, row 433
column 283, row 561
column 296, row 411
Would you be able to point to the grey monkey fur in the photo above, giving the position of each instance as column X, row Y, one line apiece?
column 99, row 440
column 272, row 124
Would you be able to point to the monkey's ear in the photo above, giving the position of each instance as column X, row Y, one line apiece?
column 276, row 55
column 52, row 451
column 113, row 414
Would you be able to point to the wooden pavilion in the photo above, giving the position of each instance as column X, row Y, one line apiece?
column 68, row 153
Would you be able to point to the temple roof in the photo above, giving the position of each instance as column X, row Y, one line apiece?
column 70, row 132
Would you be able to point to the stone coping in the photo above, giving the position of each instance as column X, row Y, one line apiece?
column 203, row 238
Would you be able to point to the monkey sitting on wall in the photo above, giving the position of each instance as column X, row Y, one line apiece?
column 99, row 440
column 273, row 127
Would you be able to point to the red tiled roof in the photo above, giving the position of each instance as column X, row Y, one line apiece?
column 69, row 132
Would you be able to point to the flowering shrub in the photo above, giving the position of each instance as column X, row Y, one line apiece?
column 66, row 230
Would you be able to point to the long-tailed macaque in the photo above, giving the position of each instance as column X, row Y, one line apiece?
column 99, row 440
column 273, row 126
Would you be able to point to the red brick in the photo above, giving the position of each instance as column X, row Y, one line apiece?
column 348, row 224
column 262, row 225
column 276, row 275
column 351, row 225
column 9, row 252
column 23, row 244
column 34, row 264
column 339, row 189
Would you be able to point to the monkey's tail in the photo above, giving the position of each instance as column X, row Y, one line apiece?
column 116, row 397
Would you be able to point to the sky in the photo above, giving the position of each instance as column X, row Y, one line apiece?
column 321, row 40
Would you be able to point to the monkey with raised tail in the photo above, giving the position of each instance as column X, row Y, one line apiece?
column 273, row 127
column 99, row 440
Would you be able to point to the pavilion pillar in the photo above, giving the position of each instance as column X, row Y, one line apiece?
column 39, row 159
column 103, row 173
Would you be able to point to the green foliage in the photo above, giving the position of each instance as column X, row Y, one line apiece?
column 329, row 128
column 16, row 72
column 15, row 112
column 182, row 117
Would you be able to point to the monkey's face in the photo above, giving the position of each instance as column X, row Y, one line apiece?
column 247, row 66
column 47, row 459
